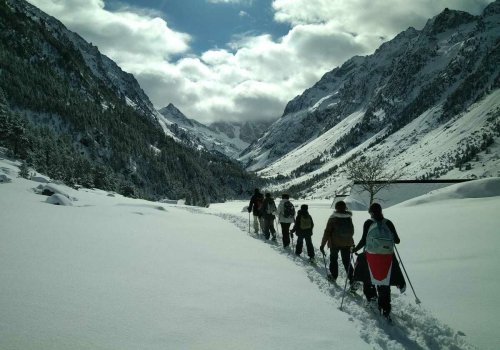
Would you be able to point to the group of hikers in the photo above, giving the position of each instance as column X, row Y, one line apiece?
column 376, row 267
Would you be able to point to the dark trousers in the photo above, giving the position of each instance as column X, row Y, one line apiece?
column 285, row 232
column 309, row 245
column 269, row 226
column 345, row 253
column 384, row 296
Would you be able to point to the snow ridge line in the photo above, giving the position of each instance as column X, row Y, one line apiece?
column 413, row 328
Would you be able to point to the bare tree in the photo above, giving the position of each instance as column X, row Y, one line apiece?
column 371, row 174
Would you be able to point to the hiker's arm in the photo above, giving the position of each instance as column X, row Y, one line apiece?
column 327, row 233
column 362, row 242
column 393, row 230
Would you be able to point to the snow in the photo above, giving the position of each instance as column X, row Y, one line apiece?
column 112, row 272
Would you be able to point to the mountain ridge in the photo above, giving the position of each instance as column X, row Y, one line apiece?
column 443, row 69
column 73, row 114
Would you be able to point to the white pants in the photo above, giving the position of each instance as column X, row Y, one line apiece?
column 258, row 223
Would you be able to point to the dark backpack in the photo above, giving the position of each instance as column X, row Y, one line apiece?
column 343, row 227
column 258, row 202
column 288, row 210
column 305, row 222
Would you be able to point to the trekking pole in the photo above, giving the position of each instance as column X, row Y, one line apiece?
column 249, row 223
column 417, row 300
column 345, row 284
column 326, row 270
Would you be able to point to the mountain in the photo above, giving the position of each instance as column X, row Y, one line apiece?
column 72, row 113
column 428, row 101
column 227, row 138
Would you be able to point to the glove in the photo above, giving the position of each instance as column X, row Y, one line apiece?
column 322, row 249
column 249, row 210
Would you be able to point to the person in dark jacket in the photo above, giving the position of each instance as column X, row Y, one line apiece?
column 338, row 235
column 303, row 227
column 268, row 214
column 255, row 207
column 362, row 273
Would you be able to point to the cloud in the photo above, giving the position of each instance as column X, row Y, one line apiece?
column 114, row 32
column 254, row 76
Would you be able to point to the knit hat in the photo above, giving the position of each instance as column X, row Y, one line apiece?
column 375, row 209
column 304, row 207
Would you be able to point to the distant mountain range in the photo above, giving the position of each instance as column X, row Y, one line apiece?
column 428, row 101
column 229, row 138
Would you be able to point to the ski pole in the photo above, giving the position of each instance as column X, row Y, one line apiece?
column 345, row 284
column 249, row 223
column 417, row 300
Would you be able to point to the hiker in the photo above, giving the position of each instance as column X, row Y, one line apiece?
column 303, row 227
column 255, row 206
column 338, row 235
column 377, row 265
column 286, row 216
column 268, row 213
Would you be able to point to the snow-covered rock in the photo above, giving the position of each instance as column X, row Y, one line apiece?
column 59, row 199
column 4, row 178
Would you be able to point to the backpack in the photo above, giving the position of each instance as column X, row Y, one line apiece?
column 305, row 222
column 288, row 210
column 343, row 228
column 258, row 202
column 270, row 208
column 379, row 239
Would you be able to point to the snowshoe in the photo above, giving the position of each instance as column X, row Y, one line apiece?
column 353, row 287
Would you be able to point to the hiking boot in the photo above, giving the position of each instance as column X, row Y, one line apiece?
column 402, row 288
column 353, row 287
column 274, row 238
column 372, row 303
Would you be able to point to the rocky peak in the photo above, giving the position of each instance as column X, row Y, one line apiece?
column 173, row 114
column 492, row 9
column 448, row 19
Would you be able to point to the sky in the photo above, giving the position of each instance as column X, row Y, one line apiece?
column 238, row 60
column 110, row 272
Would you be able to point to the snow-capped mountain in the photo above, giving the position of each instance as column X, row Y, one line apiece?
column 107, row 72
column 224, row 137
column 428, row 101
column 70, row 112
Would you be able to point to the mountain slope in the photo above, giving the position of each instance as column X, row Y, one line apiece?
column 419, row 83
column 229, row 138
column 73, row 114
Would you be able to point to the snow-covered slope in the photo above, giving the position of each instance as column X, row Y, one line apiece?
column 117, row 273
column 428, row 100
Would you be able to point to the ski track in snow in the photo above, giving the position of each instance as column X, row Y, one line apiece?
column 413, row 327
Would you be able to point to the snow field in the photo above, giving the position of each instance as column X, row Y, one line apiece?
column 111, row 272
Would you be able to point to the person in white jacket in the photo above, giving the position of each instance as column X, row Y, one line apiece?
column 286, row 216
